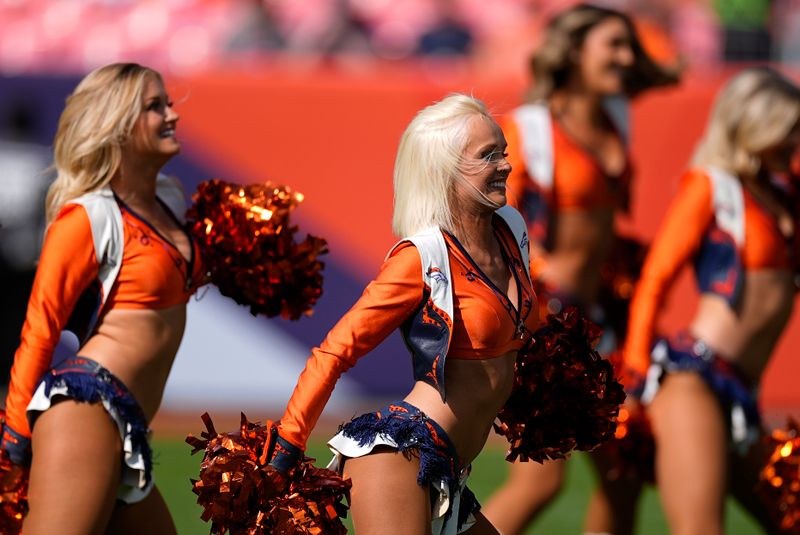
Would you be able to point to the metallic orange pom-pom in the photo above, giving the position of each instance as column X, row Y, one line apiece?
column 250, row 248
column 633, row 447
column 618, row 276
column 13, row 492
column 631, row 453
column 13, row 495
column 241, row 494
column 564, row 397
column 779, row 481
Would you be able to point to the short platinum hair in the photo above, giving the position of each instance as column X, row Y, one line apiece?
column 427, row 164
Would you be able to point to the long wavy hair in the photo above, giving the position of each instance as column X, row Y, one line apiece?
column 97, row 121
column 554, row 60
column 428, row 162
column 754, row 112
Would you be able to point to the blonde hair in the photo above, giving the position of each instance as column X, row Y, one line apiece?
column 754, row 112
column 97, row 120
column 428, row 159
column 554, row 60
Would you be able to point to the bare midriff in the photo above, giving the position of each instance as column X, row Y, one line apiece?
column 139, row 346
column 747, row 334
column 476, row 391
column 582, row 240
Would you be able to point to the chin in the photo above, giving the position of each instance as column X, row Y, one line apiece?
column 172, row 149
column 501, row 200
column 164, row 155
column 611, row 86
column 613, row 90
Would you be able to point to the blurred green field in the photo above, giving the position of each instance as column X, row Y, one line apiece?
column 174, row 466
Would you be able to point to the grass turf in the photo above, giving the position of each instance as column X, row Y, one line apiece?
column 174, row 466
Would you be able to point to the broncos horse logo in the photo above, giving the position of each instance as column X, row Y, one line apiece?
column 436, row 274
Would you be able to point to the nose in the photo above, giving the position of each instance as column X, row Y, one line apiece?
column 170, row 114
column 503, row 165
column 625, row 56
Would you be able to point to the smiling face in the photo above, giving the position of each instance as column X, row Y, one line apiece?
column 606, row 57
column 153, row 135
column 484, row 167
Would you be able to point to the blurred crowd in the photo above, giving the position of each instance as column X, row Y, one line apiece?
column 75, row 35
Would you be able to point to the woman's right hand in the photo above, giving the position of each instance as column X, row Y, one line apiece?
column 283, row 456
column 633, row 379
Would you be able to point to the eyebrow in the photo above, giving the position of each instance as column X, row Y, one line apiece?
column 157, row 98
column 493, row 146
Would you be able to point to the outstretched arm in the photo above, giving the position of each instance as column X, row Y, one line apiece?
column 385, row 304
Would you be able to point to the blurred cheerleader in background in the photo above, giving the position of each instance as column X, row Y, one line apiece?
column 568, row 146
column 735, row 219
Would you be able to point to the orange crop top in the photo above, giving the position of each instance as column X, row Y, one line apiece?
column 765, row 246
column 66, row 293
column 579, row 182
column 484, row 326
column 485, row 322
column 154, row 274
column 687, row 232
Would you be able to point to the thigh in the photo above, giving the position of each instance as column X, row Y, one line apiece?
column 385, row 498
column 532, row 482
column 75, row 473
column 529, row 487
column 544, row 477
column 691, row 453
column 612, row 506
column 150, row 515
